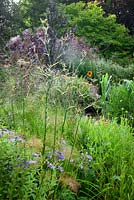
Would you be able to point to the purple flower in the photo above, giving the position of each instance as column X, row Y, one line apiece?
column 60, row 155
column 31, row 162
column 36, row 154
column 6, row 131
column 89, row 158
column 58, row 152
column 16, row 139
column 51, row 166
column 26, row 34
column 60, row 169
column 11, row 140
column 14, row 43
column 19, row 139
column 40, row 33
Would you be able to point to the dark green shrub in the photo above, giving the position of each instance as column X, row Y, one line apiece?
column 111, row 38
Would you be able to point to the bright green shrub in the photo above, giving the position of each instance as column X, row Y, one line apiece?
column 111, row 38
column 120, row 102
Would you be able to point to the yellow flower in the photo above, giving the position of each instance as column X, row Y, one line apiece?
column 89, row 73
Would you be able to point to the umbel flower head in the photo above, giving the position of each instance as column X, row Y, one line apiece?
column 89, row 73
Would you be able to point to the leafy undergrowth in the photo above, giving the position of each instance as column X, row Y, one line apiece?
column 83, row 159
column 51, row 151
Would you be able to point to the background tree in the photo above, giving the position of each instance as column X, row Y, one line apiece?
column 100, row 30
column 123, row 9
column 32, row 11
column 9, row 20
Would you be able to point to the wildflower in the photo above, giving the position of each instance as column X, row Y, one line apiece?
column 51, row 166
column 60, row 169
column 36, row 154
column 89, row 73
column 27, row 33
column 11, row 140
column 14, row 42
column 16, row 139
column 31, row 162
column 19, row 139
column 71, row 160
column 6, row 131
column 60, row 155
column 89, row 157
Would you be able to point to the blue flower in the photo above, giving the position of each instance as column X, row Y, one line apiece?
column 60, row 169
column 51, row 166
column 89, row 158
column 60, row 155
column 31, row 162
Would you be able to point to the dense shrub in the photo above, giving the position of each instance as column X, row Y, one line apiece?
column 111, row 38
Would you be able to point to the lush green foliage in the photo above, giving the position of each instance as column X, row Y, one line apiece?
column 9, row 20
column 120, row 101
column 100, row 66
column 100, row 154
column 111, row 38
column 50, row 149
column 32, row 12
column 110, row 145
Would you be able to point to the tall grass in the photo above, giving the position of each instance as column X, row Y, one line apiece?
column 111, row 147
column 55, row 152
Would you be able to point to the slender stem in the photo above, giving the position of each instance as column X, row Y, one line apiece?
column 45, row 125
column 76, row 131
column 12, row 107
column 55, row 130
column 63, row 124
column 45, row 117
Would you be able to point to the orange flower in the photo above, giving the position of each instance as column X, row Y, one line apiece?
column 89, row 73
